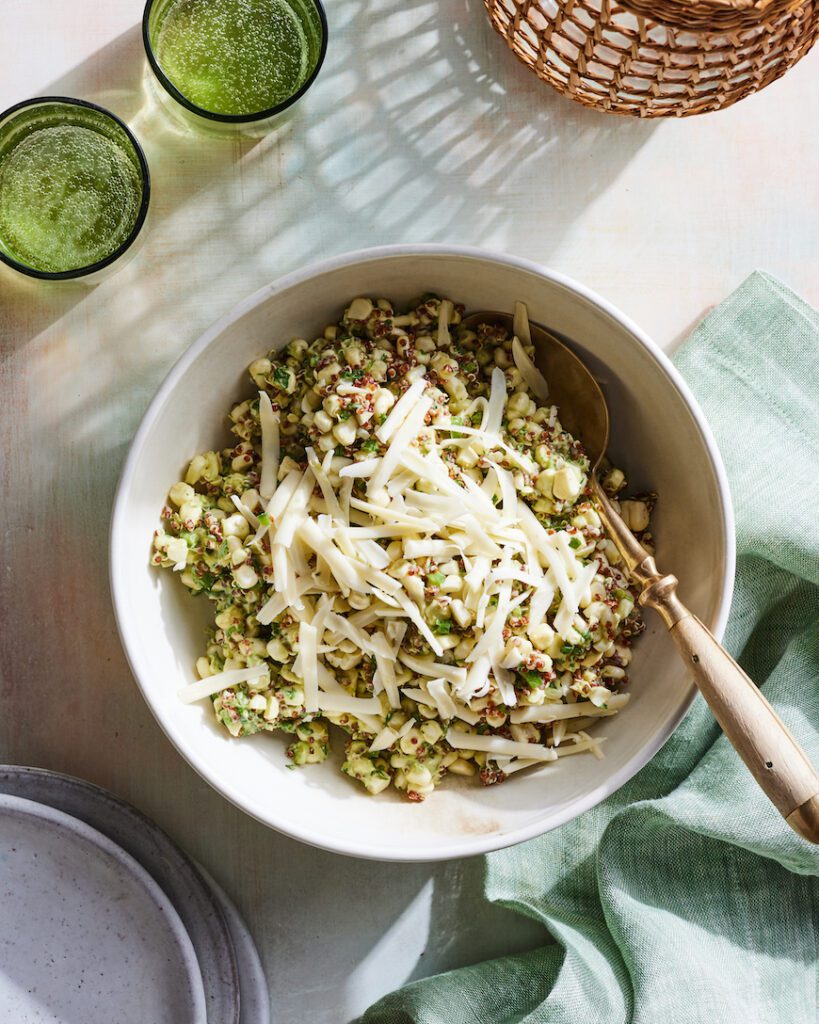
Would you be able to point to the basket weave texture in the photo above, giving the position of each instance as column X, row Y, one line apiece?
column 611, row 56
column 712, row 15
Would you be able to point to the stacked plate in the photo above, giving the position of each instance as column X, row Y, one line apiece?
column 105, row 919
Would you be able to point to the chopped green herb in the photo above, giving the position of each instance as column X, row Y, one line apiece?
column 282, row 377
column 443, row 626
column 207, row 580
column 436, row 579
column 575, row 543
column 264, row 519
column 458, row 421
column 370, row 445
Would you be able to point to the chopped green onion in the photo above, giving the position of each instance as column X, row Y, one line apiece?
column 443, row 626
column 436, row 579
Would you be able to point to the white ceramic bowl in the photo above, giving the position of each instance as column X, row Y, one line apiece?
column 658, row 435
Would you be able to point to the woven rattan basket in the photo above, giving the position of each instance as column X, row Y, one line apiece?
column 657, row 58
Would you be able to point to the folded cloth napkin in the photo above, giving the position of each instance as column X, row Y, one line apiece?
column 685, row 898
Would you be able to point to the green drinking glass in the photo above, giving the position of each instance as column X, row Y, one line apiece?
column 234, row 63
column 74, row 188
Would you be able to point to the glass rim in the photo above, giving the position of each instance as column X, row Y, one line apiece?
column 234, row 119
column 237, row 119
column 145, row 174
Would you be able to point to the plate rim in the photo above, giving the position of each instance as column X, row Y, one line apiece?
column 59, row 820
column 171, row 868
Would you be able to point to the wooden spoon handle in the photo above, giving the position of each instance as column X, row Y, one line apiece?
column 772, row 755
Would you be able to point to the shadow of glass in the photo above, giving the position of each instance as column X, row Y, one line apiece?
column 421, row 127
column 29, row 306
column 115, row 77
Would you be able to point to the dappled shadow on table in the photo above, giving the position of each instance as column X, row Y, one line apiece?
column 421, row 127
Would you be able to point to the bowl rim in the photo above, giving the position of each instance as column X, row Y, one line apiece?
column 470, row 845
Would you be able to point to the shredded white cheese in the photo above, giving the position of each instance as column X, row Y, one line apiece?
column 530, row 373
column 401, row 410
column 520, row 323
column 462, row 740
column 493, row 415
column 207, row 687
column 345, row 704
column 437, row 689
column 245, row 511
column 364, row 468
column 429, row 533
column 557, row 712
column 269, row 423
column 434, row 669
column 325, row 486
column 309, row 665
column 402, row 438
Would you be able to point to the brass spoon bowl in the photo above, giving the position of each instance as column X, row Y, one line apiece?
column 770, row 752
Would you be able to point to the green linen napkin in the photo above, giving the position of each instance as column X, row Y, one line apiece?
column 685, row 898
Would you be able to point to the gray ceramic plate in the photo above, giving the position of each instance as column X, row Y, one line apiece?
column 255, row 999
column 86, row 931
column 215, row 928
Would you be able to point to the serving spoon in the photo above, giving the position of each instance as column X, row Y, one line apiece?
column 761, row 739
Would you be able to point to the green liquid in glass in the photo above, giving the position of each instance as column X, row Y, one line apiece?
column 69, row 197
column 237, row 57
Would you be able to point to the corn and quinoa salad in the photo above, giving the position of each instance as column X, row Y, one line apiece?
column 401, row 543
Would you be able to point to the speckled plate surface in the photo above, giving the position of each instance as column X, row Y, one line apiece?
column 234, row 984
column 87, row 934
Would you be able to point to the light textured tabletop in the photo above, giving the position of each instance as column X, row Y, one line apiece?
column 422, row 127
